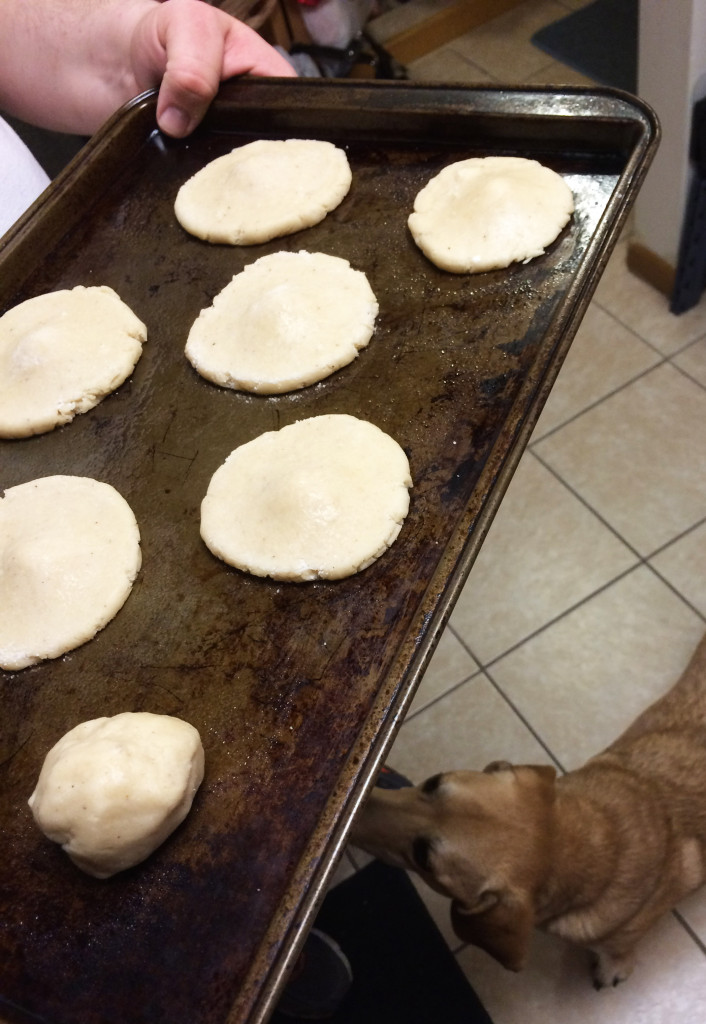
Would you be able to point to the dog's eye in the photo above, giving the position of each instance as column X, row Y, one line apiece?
column 497, row 766
column 421, row 851
column 431, row 785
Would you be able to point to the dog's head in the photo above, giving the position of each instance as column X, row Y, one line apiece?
column 481, row 838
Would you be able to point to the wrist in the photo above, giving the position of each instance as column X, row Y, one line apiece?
column 67, row 65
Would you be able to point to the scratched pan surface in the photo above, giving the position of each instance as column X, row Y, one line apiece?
column 296, row 689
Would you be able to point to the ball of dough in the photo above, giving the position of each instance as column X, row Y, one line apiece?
column 112, row 789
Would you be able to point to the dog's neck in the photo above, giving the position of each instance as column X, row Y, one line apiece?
column 594, row 855
column 584, row 858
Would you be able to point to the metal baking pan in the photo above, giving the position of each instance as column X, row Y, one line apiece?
column 296, row 689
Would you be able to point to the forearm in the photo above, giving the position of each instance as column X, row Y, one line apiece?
column 69, row 64
column 63, row 62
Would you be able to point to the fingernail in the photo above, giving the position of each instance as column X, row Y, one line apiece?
column 175, row 121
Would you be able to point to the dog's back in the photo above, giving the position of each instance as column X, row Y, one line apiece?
column 666, row 748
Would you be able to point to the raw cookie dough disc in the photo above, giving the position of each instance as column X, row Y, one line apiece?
column 288, row 320
column 488, row 212
column 69, row 553
column 61, row 353
column 319, row 499
column 112, row 789
column 262, row 190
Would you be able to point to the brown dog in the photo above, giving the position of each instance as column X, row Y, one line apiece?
column 595, row 856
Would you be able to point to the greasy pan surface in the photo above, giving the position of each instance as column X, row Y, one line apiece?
column 296, row 689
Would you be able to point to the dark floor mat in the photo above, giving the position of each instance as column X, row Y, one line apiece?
column 403, row 971
column 599, row 40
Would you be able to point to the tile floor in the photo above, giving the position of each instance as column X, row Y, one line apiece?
column 558, row 642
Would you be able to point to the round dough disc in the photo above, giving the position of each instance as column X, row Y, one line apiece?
column 61, row 353
column 112, row 789
column 319, row 499
column 262, row 190
column 288, row 320
column 488, row 212
column 69, row 553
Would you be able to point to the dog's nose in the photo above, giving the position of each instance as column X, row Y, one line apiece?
column 421, row 849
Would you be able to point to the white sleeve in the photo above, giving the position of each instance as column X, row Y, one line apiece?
column 21, row 177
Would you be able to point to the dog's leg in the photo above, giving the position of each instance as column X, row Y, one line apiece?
column 611, row 964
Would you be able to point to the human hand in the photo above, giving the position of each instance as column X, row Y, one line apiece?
column 190, row 47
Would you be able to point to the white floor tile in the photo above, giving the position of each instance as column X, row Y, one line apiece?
column 583, row 680
column 683, row 564
column 502, row 46
column 639, row 458
column 402, row 17
column 692, row 360
column 556, row 73
column 467, row 729
column 645, row 310
column 544, row 553
column 603, row 356
column 450, row 665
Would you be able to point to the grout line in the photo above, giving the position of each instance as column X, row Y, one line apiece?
column 643, row 560
column 681, row 370
column 513, row 707
column 550, row 622
column 599, row 401
column 451, row 689
column 482, row 672
column 679, row 536
column 674, row 590
column 630, row 329
column 579, row 497
column 689, row 930
column 484, row 667
column 665, row 355
column 662, row 361
column 461, row 56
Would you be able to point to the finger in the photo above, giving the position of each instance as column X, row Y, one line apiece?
column 193, row 43
column 246, row 52
column 204, row 45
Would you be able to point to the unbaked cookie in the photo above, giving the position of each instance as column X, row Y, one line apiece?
column 264, row 189
column 488, row 212
column 321, row 498
column 69, row 554
column 61, row 353
column 288, row 320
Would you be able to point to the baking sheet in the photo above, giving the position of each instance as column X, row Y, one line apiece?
column 296, row 689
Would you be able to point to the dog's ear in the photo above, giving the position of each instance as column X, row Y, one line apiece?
column 544, row 773
column 499, row 923
column 497, row 766
column 498, row 915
